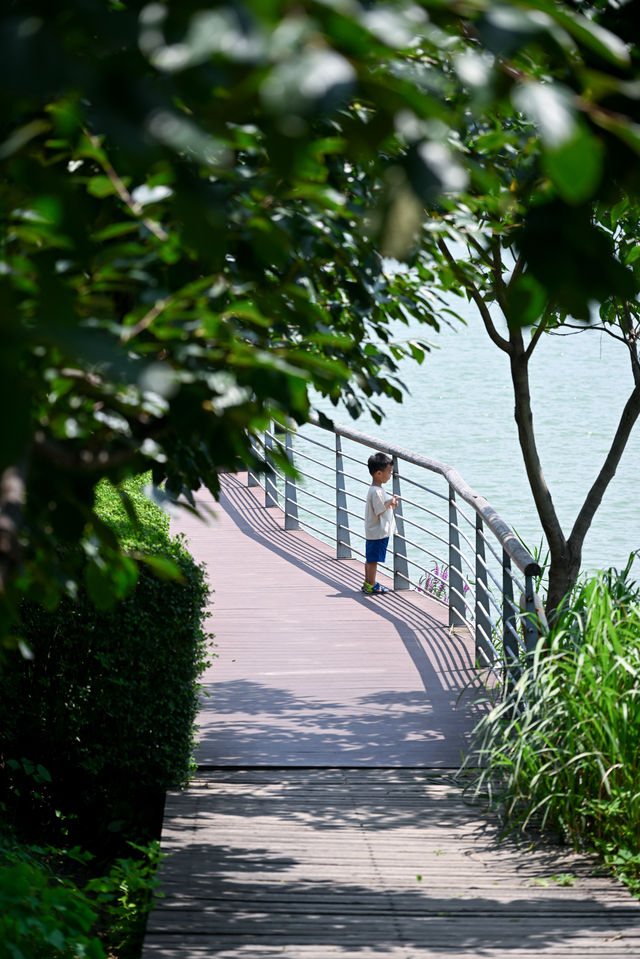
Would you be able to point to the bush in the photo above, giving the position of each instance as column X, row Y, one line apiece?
column 108, row 703
column 48, row 909
column 562, row 753
column 125, row 897
column 42, row 914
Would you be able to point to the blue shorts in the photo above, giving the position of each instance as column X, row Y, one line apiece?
column 376, row 550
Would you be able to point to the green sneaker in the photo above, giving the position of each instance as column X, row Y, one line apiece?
column 374, row 590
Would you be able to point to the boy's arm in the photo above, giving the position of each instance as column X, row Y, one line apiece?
column 380, row 505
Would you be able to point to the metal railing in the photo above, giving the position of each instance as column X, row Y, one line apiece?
column 477, row 563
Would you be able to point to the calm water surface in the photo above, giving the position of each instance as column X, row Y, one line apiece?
column 459, row 409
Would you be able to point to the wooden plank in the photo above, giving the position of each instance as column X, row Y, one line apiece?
column 330, row 862
column 221, row 949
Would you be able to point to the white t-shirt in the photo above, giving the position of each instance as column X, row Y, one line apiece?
column 378, row 520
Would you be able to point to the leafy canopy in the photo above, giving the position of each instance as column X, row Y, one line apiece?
column 194, row 202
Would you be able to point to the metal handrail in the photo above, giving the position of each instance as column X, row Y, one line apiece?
column 503, row 532
column 492, row 535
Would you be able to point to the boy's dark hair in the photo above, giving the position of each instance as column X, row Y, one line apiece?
column 378, row 461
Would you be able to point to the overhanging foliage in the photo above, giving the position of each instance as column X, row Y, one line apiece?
column 194, row 203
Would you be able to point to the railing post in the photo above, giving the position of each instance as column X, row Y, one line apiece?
column 509, row 637
column 456, row 584
column 400, row 565
column 270, row 488
column 252, row 476
column 483, row 622
column 290, row 490
column 343, row 539
column 531, row 634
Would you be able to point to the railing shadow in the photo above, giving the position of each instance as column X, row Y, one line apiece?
column 388, row 725
column 450, row 653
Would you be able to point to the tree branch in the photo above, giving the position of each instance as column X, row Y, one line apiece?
column 478, row 247
column 136, row 208
column 630, row 334
column 128, row 332
column 468, row 284
column 524, row 420
column 535, row 339
column 516, row 273
column 593, row 499
column 500, row 285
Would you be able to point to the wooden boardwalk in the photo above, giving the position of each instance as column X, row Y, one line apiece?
column 309, row 671
column 325, row 819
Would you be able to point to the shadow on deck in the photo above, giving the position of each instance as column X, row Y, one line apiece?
column 310, row 671
column 326, row 819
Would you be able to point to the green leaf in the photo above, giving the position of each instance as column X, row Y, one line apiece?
column 606, row 44
column 99, row 586
column 116, row 230
column 101, row 186
column 417, row 351
column 124, row 575
column 576, row 166
column 20, row 136
column 162, row 566
column 57, row 939
column 619, row 209
column 127, row 504
column 624, row 129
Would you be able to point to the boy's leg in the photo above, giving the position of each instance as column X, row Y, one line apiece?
column 370, row 573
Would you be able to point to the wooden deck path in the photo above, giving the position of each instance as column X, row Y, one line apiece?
column 325, row 819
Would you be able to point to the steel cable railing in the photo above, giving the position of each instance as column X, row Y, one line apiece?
column 485, row 565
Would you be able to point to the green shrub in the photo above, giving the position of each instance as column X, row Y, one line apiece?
column 125, row 897
column 49, row 909
column 42, row 914
column 564, row 752
column 108, row 703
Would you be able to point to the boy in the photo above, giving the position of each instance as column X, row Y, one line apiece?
column 379, row 522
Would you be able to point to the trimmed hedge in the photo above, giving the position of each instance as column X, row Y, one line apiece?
column 109, row 701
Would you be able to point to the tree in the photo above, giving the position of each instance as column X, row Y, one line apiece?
column 495, row 288
column 193, row 205
column 181, row 260
column 557, row 235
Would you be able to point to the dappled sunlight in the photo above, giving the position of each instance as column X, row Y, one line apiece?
column 329, row 815
column 359, row 864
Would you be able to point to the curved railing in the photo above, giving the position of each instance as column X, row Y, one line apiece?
column 477, row 564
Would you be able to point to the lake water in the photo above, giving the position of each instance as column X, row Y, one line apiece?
column 459, row 410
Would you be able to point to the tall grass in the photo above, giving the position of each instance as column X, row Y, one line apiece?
column 563, row 752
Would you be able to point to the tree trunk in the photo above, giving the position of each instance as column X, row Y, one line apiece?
column 566, row 554
column 565, row 564
column 564, row 569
